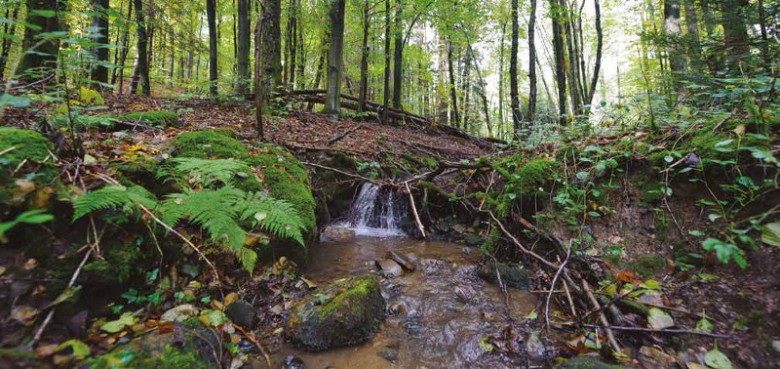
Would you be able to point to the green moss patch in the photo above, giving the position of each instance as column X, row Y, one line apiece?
column 647, row 265
column 153, row 118
column 25, row 156
column 212, row 144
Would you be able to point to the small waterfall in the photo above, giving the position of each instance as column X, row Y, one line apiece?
column 376, row 212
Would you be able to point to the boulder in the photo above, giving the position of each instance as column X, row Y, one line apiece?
column 512, row 275
column 241, row 313
column 347, row 312
column 389, row 267
column 337, row 233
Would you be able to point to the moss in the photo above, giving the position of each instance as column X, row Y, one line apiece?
column 647, row 265
column 211, row 144
column 587, row 362
column 535, row 173
column 511, row 274
column 153, row 118
column 170, row 358
column 361, row 286
column 117, row 266
column 30, row 147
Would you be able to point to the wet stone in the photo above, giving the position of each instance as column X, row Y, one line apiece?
column 241, row 313
column 389, row 267
column 337, row 233
column 512, row 275
column 473, row 240
column 293, row 362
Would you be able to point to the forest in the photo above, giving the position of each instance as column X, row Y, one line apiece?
column 389, row 184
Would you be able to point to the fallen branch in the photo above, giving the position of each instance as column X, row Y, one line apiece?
column 603, row 318
column 552, row 288
column 519, row 244
column 652, row 330
column 348, row 174
column 414, row 210
column 255, row 342
column 338, row 137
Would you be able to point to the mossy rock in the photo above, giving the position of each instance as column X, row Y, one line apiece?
column 159, row 119
column 183, row 348
column 647, row 265
column 32, row 148
column 511, row 275
column 213, row 144
column 587, row 362
column 348, row 312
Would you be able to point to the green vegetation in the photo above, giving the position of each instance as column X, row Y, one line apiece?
column 153, row 118
column 214, row 144
column 25, row 157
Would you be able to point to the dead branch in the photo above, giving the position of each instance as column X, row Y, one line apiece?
column 603, row 318
column 414, row 210
column 651, row 330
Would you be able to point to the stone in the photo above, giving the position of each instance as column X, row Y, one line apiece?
column 337, row 233
column 459, row 228
column 512, row 275
column 345, row 313
column 182, row 348
column 473, row 240
column 179, row 313
column 293, row 362
column 537, row 349
column 587, row 362
column 241, row 313
column 406, row 262
column 389, row 267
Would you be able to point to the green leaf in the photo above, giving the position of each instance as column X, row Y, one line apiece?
column 770, row 235
column 659, row 319
column 704, row 325
column 80, row 349
column 118, row 325
column 717, row 360
column 651, row 284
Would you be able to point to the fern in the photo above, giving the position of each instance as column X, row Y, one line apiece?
column 113, row 197
column 277, row 217
column 213, row 210
column 207, row 172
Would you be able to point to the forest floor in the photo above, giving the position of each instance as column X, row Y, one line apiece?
column 744, row 305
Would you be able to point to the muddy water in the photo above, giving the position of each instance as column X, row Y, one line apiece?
column 441, row 311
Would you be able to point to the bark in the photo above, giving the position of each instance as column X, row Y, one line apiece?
column 531, row 113
column 141, row 45
column 501, row 76
column 442, row 88
column 672, row 31
column 364, row 50
column 211, row 13
column 293, row 40
column 9, row 29
column 514, row 94
column 386, row 98
column 270, row 53
column 764, row 37
column 335, row 57
column 242, row 47
column 599, row 46
column 119, row 72
column 571, row 62
column 692, row 27
column 454, row 117
column 398, row 58
column 259, row 85
column 43, row 61
column 735, row 35
column 99, row 73
column 560, row 58
column 466, row 88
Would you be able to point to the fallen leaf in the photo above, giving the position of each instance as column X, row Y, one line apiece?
column 25, row 314
column 717, row 360
column 659, row 319
column 80, row 349
column 115, row 326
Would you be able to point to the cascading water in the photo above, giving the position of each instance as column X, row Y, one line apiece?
column 376, row 212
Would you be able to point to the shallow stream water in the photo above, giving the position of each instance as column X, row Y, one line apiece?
column 438, row 313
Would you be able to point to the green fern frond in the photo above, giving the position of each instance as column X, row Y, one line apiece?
column 113, row 197
column 209, row 171
column 248, row 259
column 213, row 210
column 277, row 217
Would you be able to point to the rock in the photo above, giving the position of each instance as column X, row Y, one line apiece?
column 405, row 261
column 77, row 324
column 179, row 313
column 537, row 349
column 181, row 348
column 654, row 355
column 389, row 267
column 444, row 225
column 347, row 312
column 587, row 362
column 466, row 250
column 337, row 233
column 512, row 275
column 473, row 240
column 241, row 313
column 293, row 362
column 459, row 228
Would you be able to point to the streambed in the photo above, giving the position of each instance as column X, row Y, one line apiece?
column 437, row 314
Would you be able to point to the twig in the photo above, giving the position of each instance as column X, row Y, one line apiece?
column 414, row 210
column 602, row 317
column 652, row 330
column 614, row 300
column 344, row 134
column 6, row 151
column 552, row 287
column 256, row 342
column 72, row 281
column 520, row 245
column 341, row 172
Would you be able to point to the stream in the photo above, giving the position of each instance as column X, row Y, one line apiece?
column 437, row 314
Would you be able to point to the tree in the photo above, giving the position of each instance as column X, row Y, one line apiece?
column 9, row 29
column 557, row 9
column 386, row 98
column 142, row 64
column 599, row 46
column 398, row 56
column 211, row 12
column 364, row 50
column 673, row 31
column 40, row 52
column 100, row 29
column 333, row 99
column 531, row 113
column 513, row 90
column 242, row 47
column 271, row 50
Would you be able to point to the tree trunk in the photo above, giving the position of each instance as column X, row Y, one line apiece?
column 501, row 77
column 560, row 58
column 467, row 87
column 531, row 113
column 398, row 57
column 364, row 50
column 242, row 47
column 672, row 31
column 454, row 118
column 386, row 98
column 259, row 85
column 271, row 49
column 40, row 56
column 599, row 46
column 692, row 26
column 335, row 57
column 99, row 71
column 8, row 29
column 764, row 38
column 571, row 62
column 143, row 59
column 211, row 13
column 513, row 90
column 735, row 34
column 442, row 88
column 293, row 40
